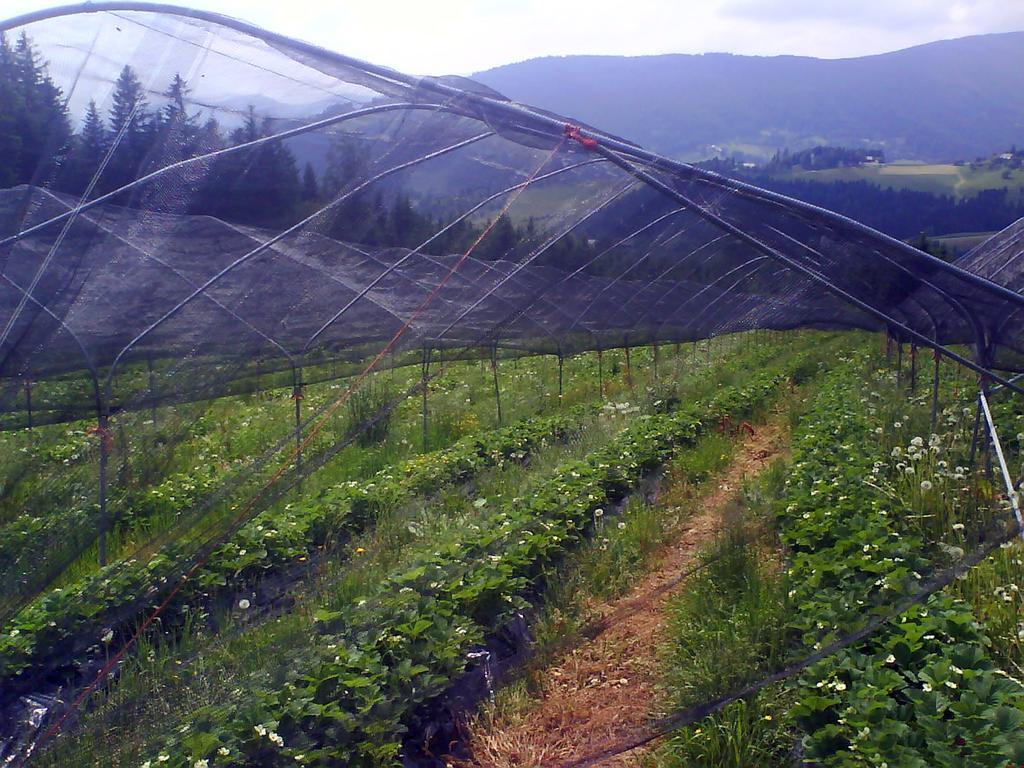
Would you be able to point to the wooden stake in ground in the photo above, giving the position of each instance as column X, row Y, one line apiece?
column 606, row 690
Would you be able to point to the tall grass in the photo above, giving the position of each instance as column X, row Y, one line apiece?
column 724, row 631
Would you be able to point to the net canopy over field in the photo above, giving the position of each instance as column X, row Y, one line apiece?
column 209, row 200
column 192, row 208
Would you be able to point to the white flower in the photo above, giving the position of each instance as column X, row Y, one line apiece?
column 479, row 503
column 108, row 637
column 926, row 485
column 958, row 526
column 201, row 764
column 917, row 442
column 927, row 687
column 223, row 751
column 244, row 605
column 890, row 659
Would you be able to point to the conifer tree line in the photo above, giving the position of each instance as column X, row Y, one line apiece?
column 262, row 186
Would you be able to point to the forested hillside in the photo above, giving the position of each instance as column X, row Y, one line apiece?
column 937, row 102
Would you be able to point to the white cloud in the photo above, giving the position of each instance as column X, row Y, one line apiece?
column 462, row 36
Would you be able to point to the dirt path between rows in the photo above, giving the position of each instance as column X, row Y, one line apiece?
column 607, row 689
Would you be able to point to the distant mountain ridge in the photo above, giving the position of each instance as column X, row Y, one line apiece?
column 948, row 100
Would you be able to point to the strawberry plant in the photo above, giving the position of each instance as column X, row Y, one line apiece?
column 351, row 695
column 924, row 691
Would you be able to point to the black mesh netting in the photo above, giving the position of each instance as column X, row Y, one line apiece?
column 191, row 207
column 255, row 199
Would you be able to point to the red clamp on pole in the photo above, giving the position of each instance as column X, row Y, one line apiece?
column 297, row 394
column 573, row 132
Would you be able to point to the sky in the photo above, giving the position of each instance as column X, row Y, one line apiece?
column 461, row 37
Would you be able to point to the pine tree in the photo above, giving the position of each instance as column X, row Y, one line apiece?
column 275, row 181
column 130, row 130
column 310, row 188
column 11, row 105
column 345, row 166
column 176, row 131
column 500, row 241
column 88, row 150
column 260, row 185
column 407, row 227
column 40, row 115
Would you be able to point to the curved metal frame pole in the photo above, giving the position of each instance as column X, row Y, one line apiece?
column 632, row 265
column 279, row 237
column 587, row 264
column 542, row 124
column 669, row 270
column 419, row 248
column 796, row 266
column 953, row 302
column 86, row 206
column 189, row 282
column 535, row 255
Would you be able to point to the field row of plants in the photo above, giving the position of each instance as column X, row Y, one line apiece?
column 166, row 679
column 872, row 505
column 167, row 465
column 51, row 632
column 352, row 692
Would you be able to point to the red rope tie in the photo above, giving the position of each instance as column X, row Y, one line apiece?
column 297, row 394
column 105, row 435
column 573, row 132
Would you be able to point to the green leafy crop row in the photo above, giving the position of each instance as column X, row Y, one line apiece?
column 924, row 691
column 349, row 697
column 51, row 631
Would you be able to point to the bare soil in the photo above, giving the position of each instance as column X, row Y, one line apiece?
column 606, row 690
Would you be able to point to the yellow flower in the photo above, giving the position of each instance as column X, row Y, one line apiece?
column 360, row 550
